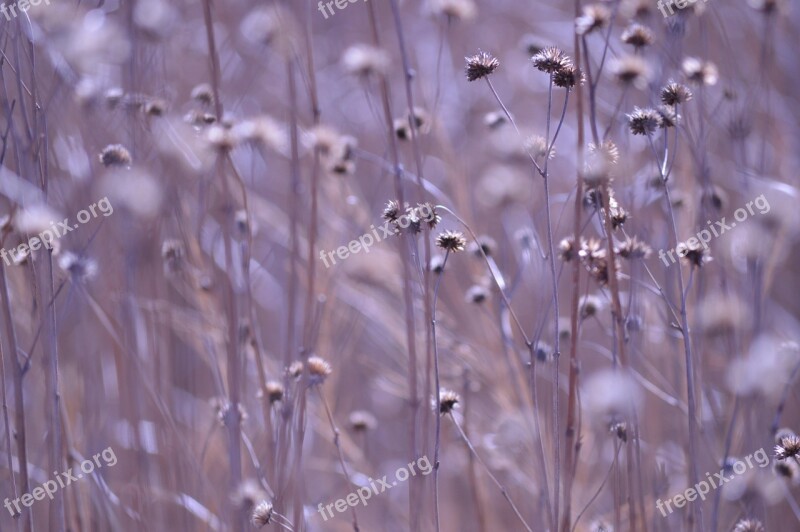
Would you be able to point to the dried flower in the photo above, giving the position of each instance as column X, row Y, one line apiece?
column 536, row 146
column 480, row 65
column 748, row 525
column 365, row 60
column 787, row 448
column 494, row 119
column 620, row 430
column 318, row 369
column 447, row 401
column 638, row 36
column 248, row 494
column 80, row 268
column 788, row 470
column 632, row 248
column 631, row 70
column 700, row 72
column 695, row 255
column 452, row 241
column 391, row 212
column 589, row 306
column 437, row 264
column 361, row 420
column 454, row 9
column 566, row 249
column 782, row 433
column 476, row 294
column 274, row 391
column 593, row 17
column 568, row 77
column 203, row 94
column 485, row 244
column 115, row 155
column 675, row 93
column 262, row 514
column 551, row 60
column 295, row 369
column 644, row 121
column 669, row 118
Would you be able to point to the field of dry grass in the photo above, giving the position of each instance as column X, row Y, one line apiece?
column 428, row 265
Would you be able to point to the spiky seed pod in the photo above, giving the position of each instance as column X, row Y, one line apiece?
column 631, row 70
column 638, row 36
column 364, row 60
column 476, row 294
column 589, row 306
column 318, row 369
column 568, row 77
column 782, row 433
column 454, row 9
column 274, row 391
column 669, row 118
column 262, row 514
column 593, row 17
column 633, row 248
column 391, row 213
column 427, row 211
column 644, row 121
column 295, row 369
column 620, row 430
column 696, row 255
column 447, row 401
column 536, row 145
column 787, row 448
column 748, row 525
column 115, row 155
column 675, row 93
column 700, row 72
column 551, row 60
column 480, row 65
column 452, row 241
column 607, row 151
column 361, row 421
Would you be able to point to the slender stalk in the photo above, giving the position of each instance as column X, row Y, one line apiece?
column 437, row 398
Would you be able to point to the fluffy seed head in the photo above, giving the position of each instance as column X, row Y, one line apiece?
column 361, row 421
column 633, row 248
column 644, row 121
column 115, row 155
column 696, row 255
column 551, row 60
column 476, row 294
column 452, row 241
column 638, row 36
column 590, row 305
column 787, row 448
column 675, row 93
column 454, row 9
column 594, row 17
column 80, row 268
column 631, row 70
column 568, row 77
column 748, row 525
column 262, row 514
column 782, row 433
column 480, row 65
column 447, row 401
column 364, row 60
column 700, row 72
column 274, row 391
column 318, row 369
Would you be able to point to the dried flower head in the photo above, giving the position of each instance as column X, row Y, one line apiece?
column 451, row 241
column 620, row 430
column 633, row 248
column 783, row 432
column 675, row 93
column 115, row 155
column 638, row 36
column 480, row 65
column 203, row 93
column 644, row 121
column 551, row 60
column 391, row 212
column 80, row 268
column 700, row 72
column 568, row 77
column 748, row 525
column 669, row 116
column 262, row 514
column 318, row 369
column 361, row 421
column 295, row 369
column 536, row 146
column 566, row 249
column 593, row 17
column 788, row 470
column 447, row 401
column 427, row 212
column 454, row 9
column 476, row 294
column 248, row 494
column 365, row 60
column 494, row 119
column 274, row 391
column 694, row 254
column 437, row 264
column 787, row 448
column 631, row 70
column 484, row 244
column 589, row 306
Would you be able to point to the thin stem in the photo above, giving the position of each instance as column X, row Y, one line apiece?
column 438, row 391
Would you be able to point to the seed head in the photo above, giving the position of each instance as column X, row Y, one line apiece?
column 669, row 118
column 748, row 525
column 452, row 241
column 620, row 430
column 644, row 121
column 632, row 249
column 568, row 77
column 788, row 470
column 484, row 243
column 631, row 70
column 787, row 448
column 365, row 60
column 476, row 294
column 274, row 391
column 429, row 214
column 536, row 145
column 695, row 255
column 248, row 494
column 551, row 60
column 607, row 152
column 590, row 305
column 447, row 401
column 203, row 94
column 115, row 155
column 437, row 264
column 80, row 268
column 454, row 9
column 782, row 433
column 391, row 213
column 675, row 93
column 638, row 36
column 700, row 72
column 318, row 369
column 594, row 17
column 494, row 119
column 361, row 421
column 295, row 369
column 480, row 65
column 262, row 514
